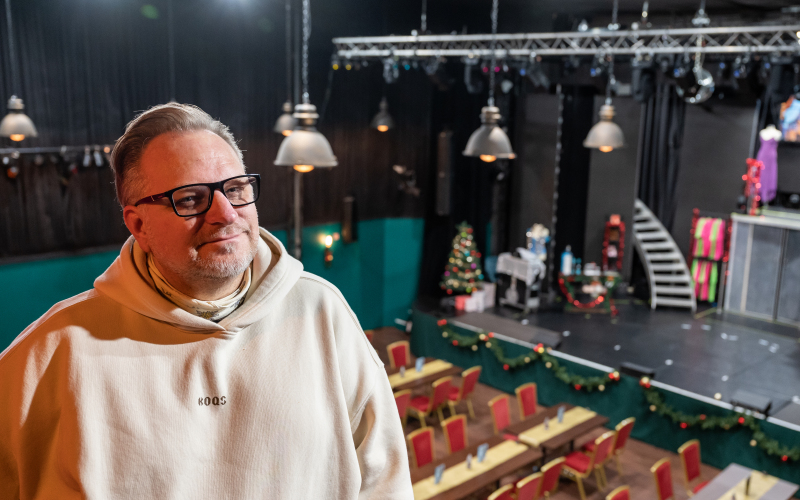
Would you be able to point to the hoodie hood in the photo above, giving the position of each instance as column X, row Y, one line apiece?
column 127, row 282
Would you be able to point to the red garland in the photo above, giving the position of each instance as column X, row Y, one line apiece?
column 580, row 305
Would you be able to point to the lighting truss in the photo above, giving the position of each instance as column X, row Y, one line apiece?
column 718, row 40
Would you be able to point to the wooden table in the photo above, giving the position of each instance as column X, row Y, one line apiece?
column 476, row 483
column 424, row 381
column 733, row 475
column 566, row 437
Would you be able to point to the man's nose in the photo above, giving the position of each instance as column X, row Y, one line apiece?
column 221, row 211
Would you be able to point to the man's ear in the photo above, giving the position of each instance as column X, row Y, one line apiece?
column 135, row 223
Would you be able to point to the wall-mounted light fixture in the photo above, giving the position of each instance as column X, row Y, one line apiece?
column 327, row 240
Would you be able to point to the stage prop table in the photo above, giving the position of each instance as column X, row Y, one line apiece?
column 432, row 370
column 577, row 422
column 730, row 484
column 503, row 458
column 764, row 279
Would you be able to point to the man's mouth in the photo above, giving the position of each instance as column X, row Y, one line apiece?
column 222, row 238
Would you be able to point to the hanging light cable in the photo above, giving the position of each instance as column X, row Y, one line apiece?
column 606, row 135
column 490, row 142
column 305, row 148
column 286, row 122
column 15, row 125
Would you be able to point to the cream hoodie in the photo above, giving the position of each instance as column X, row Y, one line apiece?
column 118, row 393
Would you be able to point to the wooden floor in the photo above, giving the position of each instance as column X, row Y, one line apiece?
column 636, row 460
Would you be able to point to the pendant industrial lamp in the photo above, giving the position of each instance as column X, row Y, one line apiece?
column 490, row 142
column 15, row 125
column 383, row 121
column 606, row 135
column 306, row 148
column 286, row 122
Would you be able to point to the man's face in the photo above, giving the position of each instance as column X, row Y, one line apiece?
column 217, row 245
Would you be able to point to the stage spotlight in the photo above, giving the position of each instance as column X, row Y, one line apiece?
column 694, row 85
column 473, row 86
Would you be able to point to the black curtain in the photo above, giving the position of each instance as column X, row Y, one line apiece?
column 661, row 139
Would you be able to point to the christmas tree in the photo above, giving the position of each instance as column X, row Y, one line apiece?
column 463, row 270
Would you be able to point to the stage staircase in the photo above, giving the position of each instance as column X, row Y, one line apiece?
column 669, row 278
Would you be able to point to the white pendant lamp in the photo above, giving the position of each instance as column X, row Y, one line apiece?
column 16, row 125
column 306, row 148
column 383, row 121
column 286, row 122
column 490, row 142
column 606, row 135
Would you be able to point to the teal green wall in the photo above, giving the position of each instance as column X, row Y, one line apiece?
column 376, row 274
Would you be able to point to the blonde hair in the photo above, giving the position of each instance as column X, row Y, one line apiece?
column 161, row 119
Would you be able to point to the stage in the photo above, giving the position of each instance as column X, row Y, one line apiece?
column 706, row 353
column 694, row 357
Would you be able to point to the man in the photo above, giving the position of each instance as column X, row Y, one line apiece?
column 205, row 363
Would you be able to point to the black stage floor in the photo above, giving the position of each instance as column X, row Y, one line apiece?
column 705, row 353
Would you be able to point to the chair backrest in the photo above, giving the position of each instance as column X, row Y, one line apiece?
column 621, row 493
column 662, row 474
column 441, row 392
column 624, row 429
column 690, row 459
column 526, row 397
column 469, row 378
column 550, row 474
column 399, row 353
column 455, row 433
column 503, row 493
column 603, row 446
column 500, row 412
column 421, row 445
column 530, row 488
column 401, row 398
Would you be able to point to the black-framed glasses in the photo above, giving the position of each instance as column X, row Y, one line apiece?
column 196, row 199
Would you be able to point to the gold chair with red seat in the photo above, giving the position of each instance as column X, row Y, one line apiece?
column 621, row 493
column 526, row 398
column 662, row 474
column 690, row 460
column 399, row 353
column 370, row 335
column 504, row 493
column 551, row 471
column 579, row 465
column 420, row 442
column 623, row 429
column 530, row 488
column 422, row 406
column 401, row 399
column 469, row 378
column 455, row 433
column 501, row 415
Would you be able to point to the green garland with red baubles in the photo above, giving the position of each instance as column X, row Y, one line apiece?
column 654, row 397
column 710, row 422
column 539, row 353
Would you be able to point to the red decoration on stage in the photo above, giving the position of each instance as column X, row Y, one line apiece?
column 455, row 342
column 741, row 420
column 441, row 322
column 505, row 367
column 577, row 387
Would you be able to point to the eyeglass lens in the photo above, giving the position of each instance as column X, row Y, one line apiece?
column 195, row 199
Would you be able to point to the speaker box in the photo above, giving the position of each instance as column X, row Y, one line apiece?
column 750, row 401
column 635, row 370
column 349, row 233
column 444, row 161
